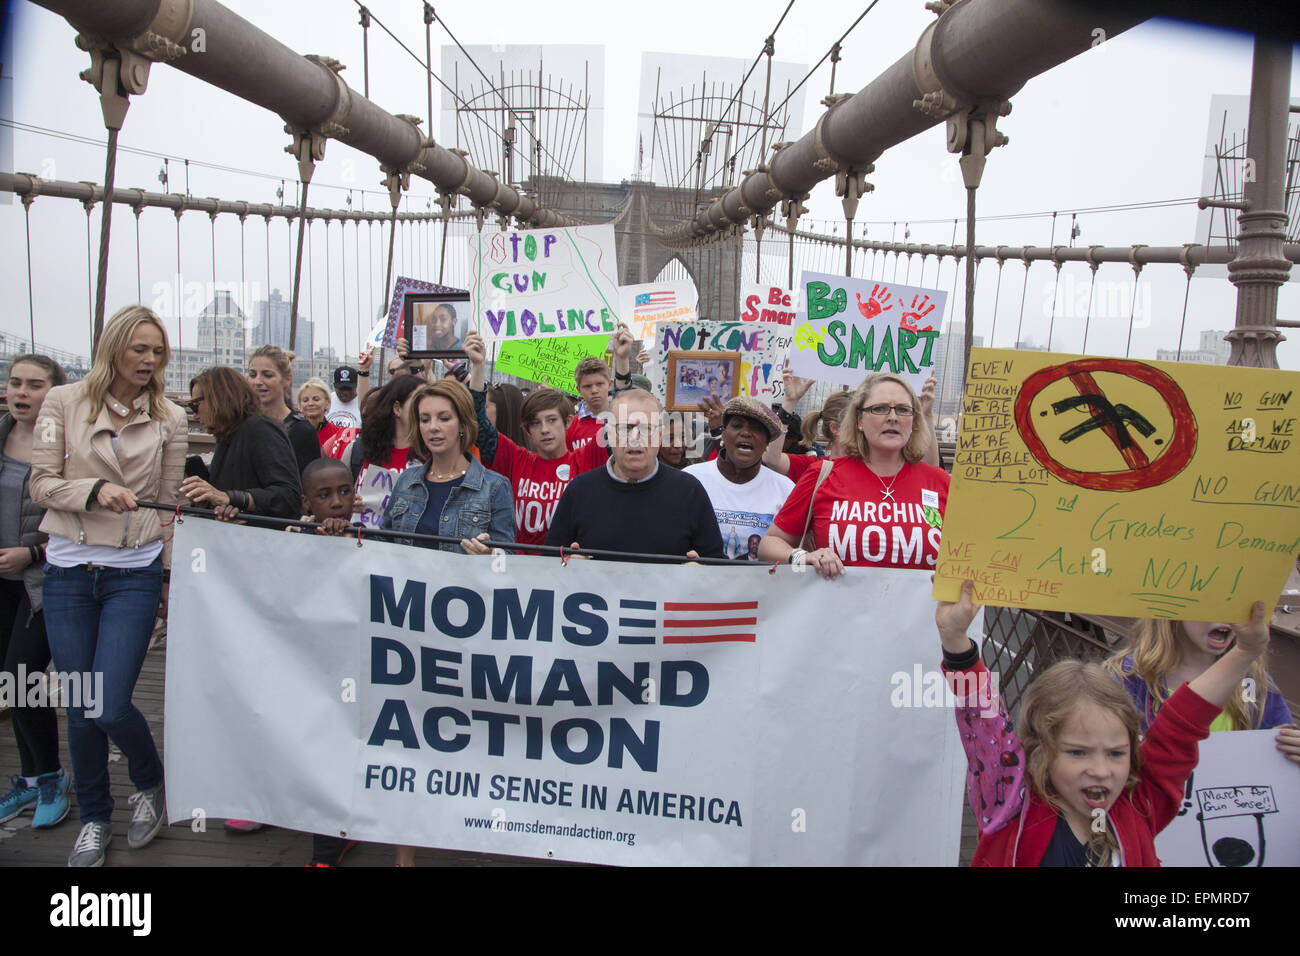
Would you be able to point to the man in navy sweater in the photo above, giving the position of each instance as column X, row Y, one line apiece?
column 634, row 503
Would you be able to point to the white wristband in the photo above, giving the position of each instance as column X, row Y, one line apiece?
column 798, row 556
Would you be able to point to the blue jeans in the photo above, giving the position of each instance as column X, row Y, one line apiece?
column 99, row 622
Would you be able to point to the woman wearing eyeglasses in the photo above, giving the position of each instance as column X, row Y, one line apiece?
column 880, row 505
column 253, row 470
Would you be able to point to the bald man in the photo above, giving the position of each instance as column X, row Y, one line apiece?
column 634, row 503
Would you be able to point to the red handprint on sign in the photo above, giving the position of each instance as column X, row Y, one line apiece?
column 921, row 307
column 875, row 303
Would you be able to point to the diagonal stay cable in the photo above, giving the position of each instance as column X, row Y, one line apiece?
column 504, row 102
column 748, row 73
column 798, row 86
column 428, row 67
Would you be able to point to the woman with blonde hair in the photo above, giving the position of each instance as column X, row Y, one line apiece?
column 820, row 430
column 1164, row 655
column 880, row 505
column 102, row 445
column 270, row 372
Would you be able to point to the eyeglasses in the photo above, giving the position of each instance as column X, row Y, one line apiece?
column 192, row 406
column 880, row 411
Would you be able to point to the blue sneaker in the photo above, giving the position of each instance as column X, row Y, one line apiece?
column 52, row 801
column 18, row 800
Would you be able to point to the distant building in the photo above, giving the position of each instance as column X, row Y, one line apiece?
column 950, row 352
column 76, row 367
column 221, row 342
column 1214, row 350
column 272, row 328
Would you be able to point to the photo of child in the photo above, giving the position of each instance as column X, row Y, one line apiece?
column 695, row 376
column 436, row 327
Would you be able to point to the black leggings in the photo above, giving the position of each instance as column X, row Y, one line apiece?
column 22, row 641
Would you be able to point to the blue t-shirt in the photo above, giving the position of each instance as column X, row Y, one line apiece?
column 439, row 492
column 1065, row 848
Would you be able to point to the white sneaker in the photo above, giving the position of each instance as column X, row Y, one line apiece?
column 92, row 841
column 147, row 818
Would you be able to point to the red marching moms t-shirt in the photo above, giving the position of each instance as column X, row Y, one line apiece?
column 852, row 516
column 581, row 433
column 538, row 482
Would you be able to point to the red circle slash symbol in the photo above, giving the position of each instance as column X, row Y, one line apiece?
column 1113, row 420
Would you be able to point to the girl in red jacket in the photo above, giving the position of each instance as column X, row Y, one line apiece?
column 1095, row 795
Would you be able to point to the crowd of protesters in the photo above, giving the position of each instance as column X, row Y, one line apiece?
column 438, row 459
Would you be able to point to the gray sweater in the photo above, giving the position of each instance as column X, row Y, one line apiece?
column 29, row 522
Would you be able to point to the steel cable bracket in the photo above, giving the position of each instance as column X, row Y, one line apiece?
column 825, row 161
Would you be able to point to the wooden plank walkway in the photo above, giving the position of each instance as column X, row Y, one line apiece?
column 179, row 845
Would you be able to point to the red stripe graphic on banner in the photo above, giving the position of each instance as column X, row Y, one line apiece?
column 734, row 606
column 706, row 638
column 713, row 622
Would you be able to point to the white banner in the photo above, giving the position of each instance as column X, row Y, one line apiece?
column 540, row 283
column 600, row 712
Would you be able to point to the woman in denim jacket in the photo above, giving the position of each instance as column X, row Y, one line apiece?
column 451, row 493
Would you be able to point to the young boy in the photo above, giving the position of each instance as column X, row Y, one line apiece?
column 327, row 496
column 537, row 479
column 594, row 381
column 597, row 387
column 328, row 492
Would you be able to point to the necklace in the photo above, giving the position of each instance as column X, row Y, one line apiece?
column 454, row 474
column 888, row 490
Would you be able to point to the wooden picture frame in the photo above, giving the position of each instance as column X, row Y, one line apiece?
column 694, row 374
column 424, row 324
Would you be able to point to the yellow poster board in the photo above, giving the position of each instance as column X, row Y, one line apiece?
column 1132, row 488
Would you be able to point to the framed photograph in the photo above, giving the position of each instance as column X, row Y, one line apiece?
column 696, row 375
column 434, row 324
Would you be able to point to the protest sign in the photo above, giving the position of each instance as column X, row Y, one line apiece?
column 646, row 304
column 376, row 338
column 768, row 303
column 403, row 287
column 762, row 351
column 1241, row 806
column 549, row 361
column 596, row 711
column 849, row 328
column 540, row 283
column 1115, row 486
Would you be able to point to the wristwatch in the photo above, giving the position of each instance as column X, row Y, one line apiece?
column 797, row 556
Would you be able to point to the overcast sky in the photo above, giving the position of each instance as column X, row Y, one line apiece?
column 1124, row 123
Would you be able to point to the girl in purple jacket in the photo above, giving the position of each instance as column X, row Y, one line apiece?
column 1164, row 655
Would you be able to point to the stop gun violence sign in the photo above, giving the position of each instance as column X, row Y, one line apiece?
column 1115, row 486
